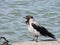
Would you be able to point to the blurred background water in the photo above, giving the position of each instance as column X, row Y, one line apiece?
column 12, row 26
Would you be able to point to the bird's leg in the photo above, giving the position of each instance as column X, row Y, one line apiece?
column 33, row 38
column 36, row 38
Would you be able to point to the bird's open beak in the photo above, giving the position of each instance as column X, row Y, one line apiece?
column 24, row 17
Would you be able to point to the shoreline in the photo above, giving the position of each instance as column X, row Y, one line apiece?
column 38, row 43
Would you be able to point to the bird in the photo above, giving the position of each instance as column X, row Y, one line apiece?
column 36, row 29
column 6, row 41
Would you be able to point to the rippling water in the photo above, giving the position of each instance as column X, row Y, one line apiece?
column 12, row 25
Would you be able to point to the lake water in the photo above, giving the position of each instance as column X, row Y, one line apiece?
column 12, row 25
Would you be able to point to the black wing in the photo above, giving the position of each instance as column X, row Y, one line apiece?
column 43, row 31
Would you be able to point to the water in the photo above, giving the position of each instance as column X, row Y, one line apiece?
column 12, row 25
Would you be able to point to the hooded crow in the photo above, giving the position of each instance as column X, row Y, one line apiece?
column 37, row 29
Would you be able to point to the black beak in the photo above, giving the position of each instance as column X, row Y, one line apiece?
column 24, row 17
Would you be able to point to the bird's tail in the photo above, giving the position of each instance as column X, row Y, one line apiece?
column 51, row 35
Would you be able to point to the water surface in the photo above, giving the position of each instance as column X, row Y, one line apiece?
column 12, row 26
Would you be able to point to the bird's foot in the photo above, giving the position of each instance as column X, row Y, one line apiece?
column 32, row 40
column 36, row 40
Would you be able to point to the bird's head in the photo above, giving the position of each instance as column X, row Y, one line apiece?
column 28, row 18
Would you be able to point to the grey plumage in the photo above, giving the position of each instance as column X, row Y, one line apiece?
column 37, row 29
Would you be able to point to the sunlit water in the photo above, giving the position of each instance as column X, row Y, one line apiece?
column 12, row 25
